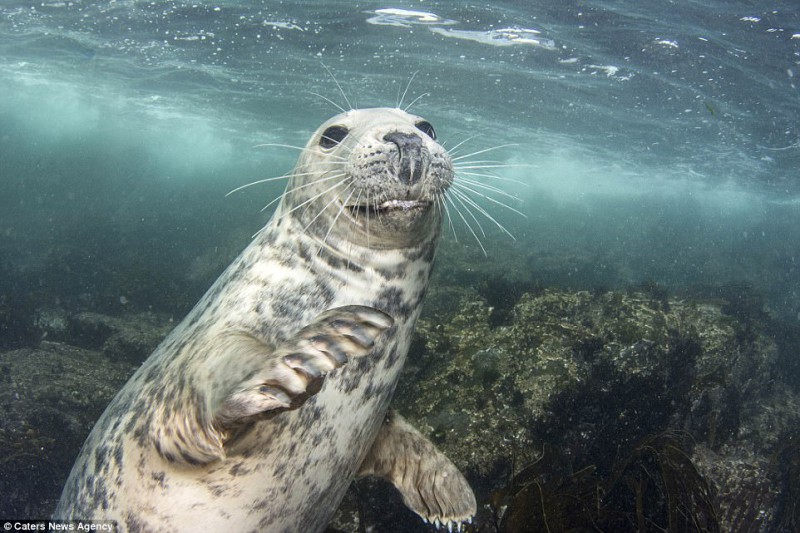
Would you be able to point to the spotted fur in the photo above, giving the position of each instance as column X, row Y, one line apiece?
column 161, row 459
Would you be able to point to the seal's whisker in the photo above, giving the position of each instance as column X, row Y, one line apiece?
column 303, row 186
column 461, row 215
column 461, row 197
column 484, row 161
column 469, row 166
column 462, row 188
column 309, row 200
column 449, row 219
column 301, row 148
column 301, row 174
column 272, row 202
column 408, row 85
column 316, row 181
column 369, row 202
column 311, row 173
column 339, row 86
column 258, row 182
column 482, row 211
column 415, row 100
column 342, row 207
column 334, row 104
column 307, row 207
column 442, row 206
column 493, row 176
column 380, row 201
column 482, row 151
column 335, row 176
column 486, row 187
column 326, row 206
column 452, row 150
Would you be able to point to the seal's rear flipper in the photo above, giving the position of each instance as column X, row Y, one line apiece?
column 429, row 482
column 294, row 370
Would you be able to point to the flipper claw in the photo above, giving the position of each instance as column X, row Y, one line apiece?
column 275, row 394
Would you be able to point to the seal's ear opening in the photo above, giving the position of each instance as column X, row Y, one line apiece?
column 425, row 127
column 332, row 136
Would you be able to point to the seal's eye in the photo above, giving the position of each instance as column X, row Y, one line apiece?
column 333, row 136
column 426, row 128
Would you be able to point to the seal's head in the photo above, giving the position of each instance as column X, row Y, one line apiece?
column 373, row 177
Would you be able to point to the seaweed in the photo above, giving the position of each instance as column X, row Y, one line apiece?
column 669, row 491
column 787, row 461
column 656, row 486
column 537, row 499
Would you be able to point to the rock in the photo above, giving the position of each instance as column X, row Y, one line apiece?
column 51, row 397
column 131, row 337
column 584, row 379
column 573, row 394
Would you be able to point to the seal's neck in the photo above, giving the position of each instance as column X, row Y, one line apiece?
column 336, row 258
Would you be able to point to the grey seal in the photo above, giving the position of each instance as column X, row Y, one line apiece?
column 260, row 408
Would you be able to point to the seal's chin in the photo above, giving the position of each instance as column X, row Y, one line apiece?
column 388, row 207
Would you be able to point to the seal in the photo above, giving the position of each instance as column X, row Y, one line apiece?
column 272, row 395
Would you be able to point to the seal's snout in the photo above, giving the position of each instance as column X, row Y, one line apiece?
column 411, row 152
column 396, row 174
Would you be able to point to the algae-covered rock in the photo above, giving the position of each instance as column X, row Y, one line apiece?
column 52, row 394
column 571, row 391
column 131, row 337
column 583, row 379
column 459, row 387
column 51, row 397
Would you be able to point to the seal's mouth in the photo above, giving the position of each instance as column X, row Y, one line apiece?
column 388, row 207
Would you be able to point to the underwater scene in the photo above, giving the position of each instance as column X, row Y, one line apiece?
column 610, row 338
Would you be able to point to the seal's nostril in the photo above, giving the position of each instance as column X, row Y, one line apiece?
column 409, row 146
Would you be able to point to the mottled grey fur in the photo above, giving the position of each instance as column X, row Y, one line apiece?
column 174, row 451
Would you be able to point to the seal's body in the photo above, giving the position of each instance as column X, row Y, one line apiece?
column 260, row 408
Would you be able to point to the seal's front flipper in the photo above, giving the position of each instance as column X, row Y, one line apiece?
column 429, row 483
column 273, row 380
column 295, row 369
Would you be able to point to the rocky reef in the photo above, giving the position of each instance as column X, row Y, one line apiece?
column 567, row 410
column 53, row 392
column 609, row 410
